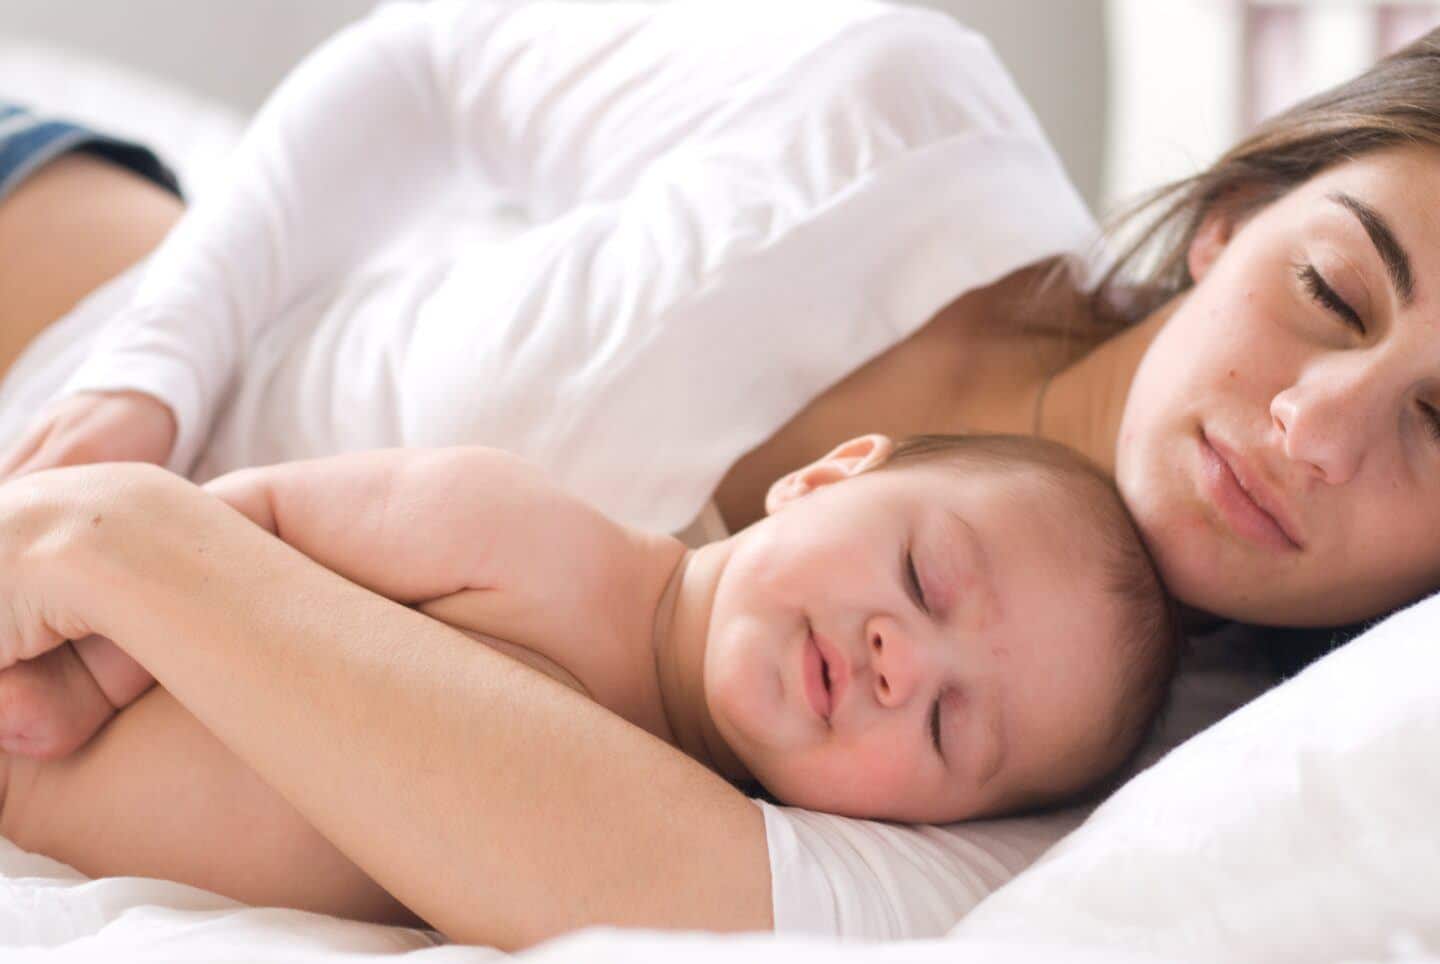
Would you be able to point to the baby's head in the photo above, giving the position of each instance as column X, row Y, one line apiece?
column 955, row 627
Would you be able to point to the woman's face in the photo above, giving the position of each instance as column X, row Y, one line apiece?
column 1280, row 445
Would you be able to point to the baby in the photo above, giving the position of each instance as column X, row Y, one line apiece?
column 951, row 628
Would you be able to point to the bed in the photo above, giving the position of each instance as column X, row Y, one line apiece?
column 1299, row 827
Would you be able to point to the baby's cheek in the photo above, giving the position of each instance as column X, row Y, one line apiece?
column 870, row 781
column 886, row 776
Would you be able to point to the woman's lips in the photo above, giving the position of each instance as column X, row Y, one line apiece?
column 813, row 671
column 1240, row 510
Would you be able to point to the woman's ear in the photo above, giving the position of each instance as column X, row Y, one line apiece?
column 1209, row 242
column 845, row 461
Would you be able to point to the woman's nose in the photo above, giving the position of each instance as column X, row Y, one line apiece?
column 1327, row 420
column 894, row 661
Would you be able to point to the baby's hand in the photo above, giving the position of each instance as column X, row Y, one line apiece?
column 50, row 706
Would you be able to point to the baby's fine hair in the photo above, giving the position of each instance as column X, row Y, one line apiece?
column 1149, row 624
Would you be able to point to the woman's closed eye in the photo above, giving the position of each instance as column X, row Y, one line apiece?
column 1324, row 295
column 1431, row 416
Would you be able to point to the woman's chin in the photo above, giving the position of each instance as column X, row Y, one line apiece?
column 1204, row 573
column 1229, row 585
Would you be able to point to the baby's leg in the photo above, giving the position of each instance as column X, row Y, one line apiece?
column 156, row 795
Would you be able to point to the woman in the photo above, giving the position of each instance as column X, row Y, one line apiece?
column 1263, row 407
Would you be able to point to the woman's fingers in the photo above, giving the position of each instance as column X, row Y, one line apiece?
column 43, row 518
column 30, row 633
column 23, row 451
column 94, row 427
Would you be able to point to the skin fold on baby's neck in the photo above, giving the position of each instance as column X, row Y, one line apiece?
column 677, row 644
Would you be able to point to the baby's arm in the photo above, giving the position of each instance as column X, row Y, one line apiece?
column 467, row 534
column 401, row 522
column 408, row 524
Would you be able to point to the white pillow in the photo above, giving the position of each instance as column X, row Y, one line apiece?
column 1301, row 828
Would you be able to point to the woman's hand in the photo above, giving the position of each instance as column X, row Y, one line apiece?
column 46, row 520
column 54, row 694
column 94, row 427
column 36, row 525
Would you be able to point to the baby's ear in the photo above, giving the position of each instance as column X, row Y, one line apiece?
column 845, row 461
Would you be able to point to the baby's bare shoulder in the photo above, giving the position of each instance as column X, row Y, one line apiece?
column 516, row 533
column 564, row 582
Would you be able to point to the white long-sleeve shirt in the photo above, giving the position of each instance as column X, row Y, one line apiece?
column 734, row 204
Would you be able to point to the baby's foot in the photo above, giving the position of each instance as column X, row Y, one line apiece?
column 50, row 706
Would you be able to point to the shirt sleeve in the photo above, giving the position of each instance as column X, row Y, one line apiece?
column 843, row 196
column 544, row 106
column 867, row 880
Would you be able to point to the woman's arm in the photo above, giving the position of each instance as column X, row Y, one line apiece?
column 350, row 148
column 447, row 772
column 416, row 111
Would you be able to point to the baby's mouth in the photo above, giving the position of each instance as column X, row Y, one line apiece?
column 815, row 672
column 833, row 674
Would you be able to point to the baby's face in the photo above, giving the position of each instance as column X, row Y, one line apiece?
column 924, row 644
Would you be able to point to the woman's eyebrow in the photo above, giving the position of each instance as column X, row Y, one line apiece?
column 1397, row 261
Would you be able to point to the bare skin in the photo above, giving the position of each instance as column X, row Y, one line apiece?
column 73, row 225
column 180, row 806
column 961, row 361
column 463, row 816
column 963, row 371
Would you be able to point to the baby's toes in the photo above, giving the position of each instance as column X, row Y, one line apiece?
column 50, row 706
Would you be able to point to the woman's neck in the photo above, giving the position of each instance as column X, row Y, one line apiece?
column 1084, row 403
column 968, row 369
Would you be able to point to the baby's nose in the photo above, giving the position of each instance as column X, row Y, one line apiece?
column 892, row 662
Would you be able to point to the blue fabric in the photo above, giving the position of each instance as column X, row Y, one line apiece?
column 28, row 141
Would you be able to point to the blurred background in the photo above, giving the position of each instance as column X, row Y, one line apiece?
column 1132, row 92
